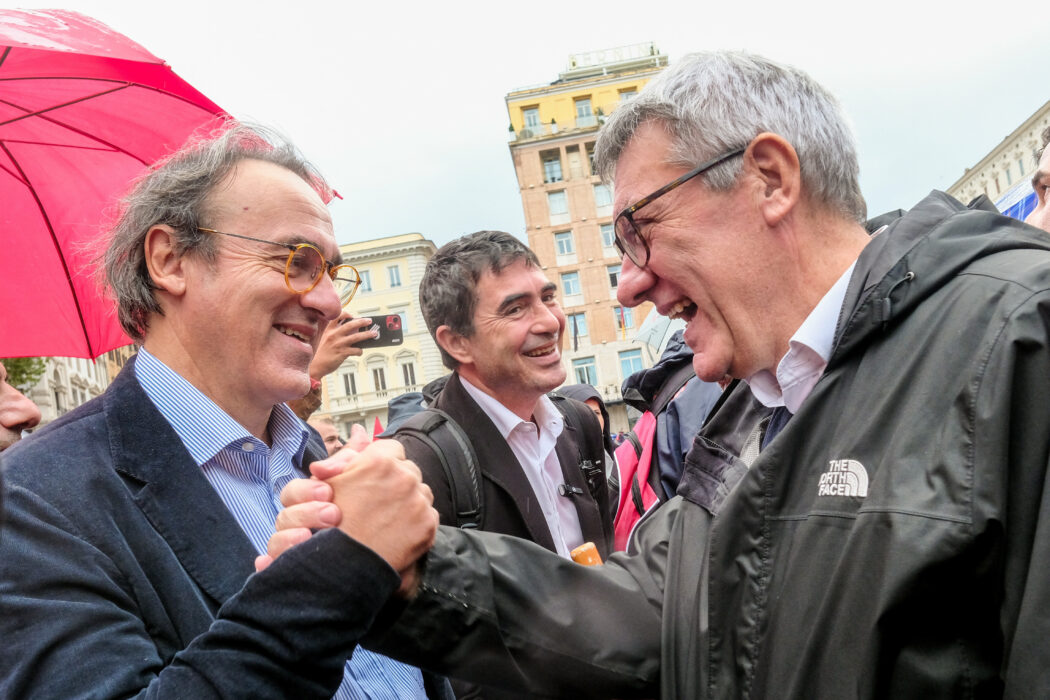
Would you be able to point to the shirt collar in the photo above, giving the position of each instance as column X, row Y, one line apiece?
column 808, row 353
column 204, row 428
column 505, row 420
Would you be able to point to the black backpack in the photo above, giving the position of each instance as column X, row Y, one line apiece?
column 444, row 436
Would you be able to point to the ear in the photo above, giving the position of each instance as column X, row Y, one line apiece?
column 775, row 162
column 455, row 344
column 166, row 267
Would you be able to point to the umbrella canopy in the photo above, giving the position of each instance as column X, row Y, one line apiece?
column 83, row 111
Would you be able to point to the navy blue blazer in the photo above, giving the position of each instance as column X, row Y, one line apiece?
column 117, row 557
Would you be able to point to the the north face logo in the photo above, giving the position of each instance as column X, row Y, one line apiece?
column 844, row 477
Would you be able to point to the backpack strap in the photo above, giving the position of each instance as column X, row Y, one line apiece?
column 671, row 386
column 592, row 449
column 446, row 439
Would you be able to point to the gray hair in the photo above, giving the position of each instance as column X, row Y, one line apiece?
column 713, row 102
column 175, row 192
column 448, row 292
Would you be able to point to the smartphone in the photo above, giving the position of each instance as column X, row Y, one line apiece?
column 390, row 332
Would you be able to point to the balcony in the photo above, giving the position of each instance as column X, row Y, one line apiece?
column 587, row 122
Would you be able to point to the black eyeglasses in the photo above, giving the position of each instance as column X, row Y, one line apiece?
column 305, row 266
column 629, row 240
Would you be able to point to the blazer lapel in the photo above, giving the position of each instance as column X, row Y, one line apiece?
column 169, row 488
column 497, row 461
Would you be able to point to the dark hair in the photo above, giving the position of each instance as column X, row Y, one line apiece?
column 448, row 292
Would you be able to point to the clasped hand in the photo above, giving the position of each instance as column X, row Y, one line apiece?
column 370, row 492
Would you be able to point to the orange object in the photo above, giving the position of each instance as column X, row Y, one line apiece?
column 586, row 554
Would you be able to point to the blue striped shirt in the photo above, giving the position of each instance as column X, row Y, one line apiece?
column 248, row 475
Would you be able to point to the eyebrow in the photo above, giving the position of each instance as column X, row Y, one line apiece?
column 296, row 240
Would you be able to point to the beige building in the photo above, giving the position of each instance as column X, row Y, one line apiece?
column 568, row 212
column 1005, row 174
column 391, row 269
column 67, row 383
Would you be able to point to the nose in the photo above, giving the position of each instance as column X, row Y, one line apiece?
column 17, row 413
column 324, row 298
column 635, row 283
column 549, row 320
column 1040, row 217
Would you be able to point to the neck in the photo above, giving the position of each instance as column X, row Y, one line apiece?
column 521, row 404
column 167, row 348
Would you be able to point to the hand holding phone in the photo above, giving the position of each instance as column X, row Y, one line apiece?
column 389, row 329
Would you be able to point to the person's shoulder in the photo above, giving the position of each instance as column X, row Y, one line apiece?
column 58, row 451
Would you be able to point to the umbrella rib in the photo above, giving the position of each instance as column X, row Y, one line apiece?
column 3, row 58
column 58, row 248
column 40, row 112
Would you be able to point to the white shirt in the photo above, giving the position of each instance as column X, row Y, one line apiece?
column 533, row 446
column 807, row 355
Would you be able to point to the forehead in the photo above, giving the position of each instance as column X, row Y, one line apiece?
column 518, row 278
column 259, row 197
column 643, row 166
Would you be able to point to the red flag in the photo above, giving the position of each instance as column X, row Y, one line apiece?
column 377, row 429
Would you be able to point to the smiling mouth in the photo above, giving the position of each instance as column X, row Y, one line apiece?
column 294, row 334
column 541, row 351
column 683, row 309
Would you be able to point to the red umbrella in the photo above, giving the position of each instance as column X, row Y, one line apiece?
column 83, row 111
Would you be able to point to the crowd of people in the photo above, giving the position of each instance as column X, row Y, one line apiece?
column 852, row 485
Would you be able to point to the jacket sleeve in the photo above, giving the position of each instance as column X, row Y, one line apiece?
column 71, row 626
column 1012, row 492
column 506, row 613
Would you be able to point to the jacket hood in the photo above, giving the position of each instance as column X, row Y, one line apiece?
column 582, row 392
column 640, row 388
column 916, row 255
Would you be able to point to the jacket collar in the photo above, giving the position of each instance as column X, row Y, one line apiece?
column 171, row 491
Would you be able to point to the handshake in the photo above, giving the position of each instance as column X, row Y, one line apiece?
column 370, row 492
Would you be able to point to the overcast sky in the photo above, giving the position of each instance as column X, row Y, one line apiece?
column 401, row 104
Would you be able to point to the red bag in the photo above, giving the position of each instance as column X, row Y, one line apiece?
column 634, row 458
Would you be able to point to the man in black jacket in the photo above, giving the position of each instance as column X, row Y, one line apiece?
column 890, row 535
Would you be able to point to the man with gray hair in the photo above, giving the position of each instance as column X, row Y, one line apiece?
column 132, row 522
column 1040, row 216
column 890, row 538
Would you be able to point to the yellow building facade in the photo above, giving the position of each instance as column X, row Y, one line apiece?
column 568, row 211
column 391, row 270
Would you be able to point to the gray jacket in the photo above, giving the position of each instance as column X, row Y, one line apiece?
column 889, row 543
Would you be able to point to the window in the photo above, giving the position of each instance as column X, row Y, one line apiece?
column 603, row 200
column 563, row 243
column 551, row 166
column 627, row 94
column 559, row 207
column 576, row 324
column 531, row 117
column 584, row 116
column 608, row 235
column 614, row 275
column 408, row 370
column 570, row 283
column 366, row 280
column 1009, row 176
column 404, row 321
column 585, row 371
column 379, row 378
column 1020, row 166
column 630, row 362
column 393, row 273
column 590, row 156
column 350, row 384
column 624, row 318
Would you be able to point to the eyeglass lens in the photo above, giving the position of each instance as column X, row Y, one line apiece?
column 305, row 266
column 630, row 242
